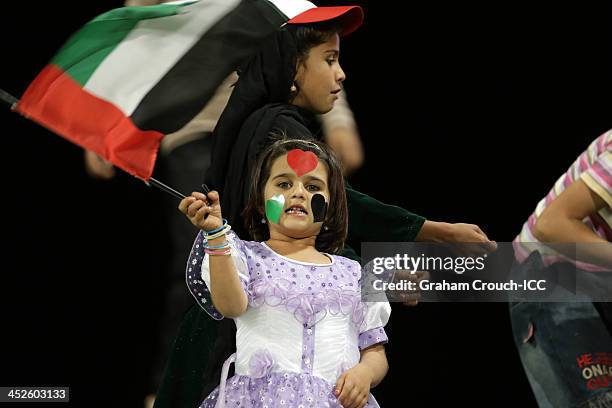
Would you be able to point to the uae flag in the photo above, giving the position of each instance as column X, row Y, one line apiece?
column 134, row 74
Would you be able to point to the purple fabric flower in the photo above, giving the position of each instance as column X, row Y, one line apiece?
column 308, row 309
column 341, row 301
column 257, row 292
column 273, row 293
column 261, row 364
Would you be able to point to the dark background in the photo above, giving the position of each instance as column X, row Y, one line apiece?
column 468, row 113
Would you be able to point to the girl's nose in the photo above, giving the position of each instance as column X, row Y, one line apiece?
column 340, row 75
column 298, row 190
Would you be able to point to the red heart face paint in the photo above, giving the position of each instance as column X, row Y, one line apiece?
column 302, row 162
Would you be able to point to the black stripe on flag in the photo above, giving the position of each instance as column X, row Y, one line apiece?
column 184, row 91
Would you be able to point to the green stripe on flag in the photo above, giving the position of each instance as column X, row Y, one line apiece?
column 86, row 49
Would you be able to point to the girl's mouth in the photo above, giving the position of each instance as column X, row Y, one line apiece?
column 296, row 210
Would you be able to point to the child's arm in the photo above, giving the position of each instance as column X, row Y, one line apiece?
column 375, row 359
column 353, row 386
column 562, row 221
column 226, row 290
column 379, row 222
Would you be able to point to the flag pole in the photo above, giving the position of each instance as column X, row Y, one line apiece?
column 164, row 187
column 10, row 101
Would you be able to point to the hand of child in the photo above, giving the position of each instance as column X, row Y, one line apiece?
column 97, row 167
column 353, row 387
column 203, row 211
column 469, row 239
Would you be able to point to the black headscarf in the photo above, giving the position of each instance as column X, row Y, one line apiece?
column 258, row 106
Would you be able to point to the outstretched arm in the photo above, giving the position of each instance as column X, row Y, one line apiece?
column 379, row 222
column 226, row 290
column 459, row 233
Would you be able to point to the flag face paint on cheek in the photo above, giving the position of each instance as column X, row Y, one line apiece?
column 274, row 207
column 302, row 162
column 319, row 207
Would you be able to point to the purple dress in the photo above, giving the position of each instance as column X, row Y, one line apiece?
column 305, row 324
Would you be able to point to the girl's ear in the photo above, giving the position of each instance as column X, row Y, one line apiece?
column 295, row 85
column 300, row 67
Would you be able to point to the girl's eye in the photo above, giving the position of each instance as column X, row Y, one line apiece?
column 283, row 184
column 313, row 187
column 330, row 61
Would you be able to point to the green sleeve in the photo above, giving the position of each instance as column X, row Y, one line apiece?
column 373, row 221
column 350, row 253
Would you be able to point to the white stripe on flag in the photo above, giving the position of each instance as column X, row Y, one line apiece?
column 150, row 50
column 292, row 8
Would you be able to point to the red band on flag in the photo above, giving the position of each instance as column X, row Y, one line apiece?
column 59, row 103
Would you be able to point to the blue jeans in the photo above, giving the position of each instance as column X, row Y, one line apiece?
column 565, row 348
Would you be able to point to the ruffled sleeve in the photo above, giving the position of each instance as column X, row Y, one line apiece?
column 372, row 331
column 198, row 272
column 377, row 315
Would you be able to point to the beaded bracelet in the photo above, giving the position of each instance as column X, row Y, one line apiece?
column 214, row 231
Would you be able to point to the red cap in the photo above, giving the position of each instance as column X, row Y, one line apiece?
column 350, row 17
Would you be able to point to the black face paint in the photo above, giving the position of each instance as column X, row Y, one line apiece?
column 319, row 207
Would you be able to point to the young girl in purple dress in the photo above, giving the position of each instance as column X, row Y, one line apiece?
column 304, row 336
